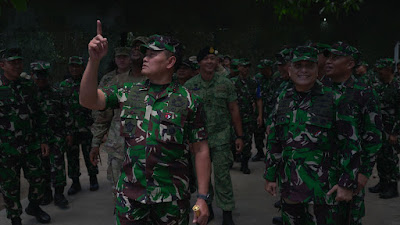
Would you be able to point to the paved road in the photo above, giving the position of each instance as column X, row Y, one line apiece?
column 253, row 204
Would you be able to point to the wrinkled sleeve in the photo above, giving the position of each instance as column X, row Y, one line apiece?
column 371, row 132
column 196, row 122
column 112, row 96
column 101, row 125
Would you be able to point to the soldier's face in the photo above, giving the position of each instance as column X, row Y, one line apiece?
column 157, row 63
column 136, row 54
column 184, row 73
column 361, row 70
column 303, row 74
column 244, row 70
column 321, row 62
column 227, row 63
column 337, row 66
column 283, row 70
column 209, row 63
column 123, row 62
column 267, row 71
column 75, row 70
column 385, row 73
column 12, row 69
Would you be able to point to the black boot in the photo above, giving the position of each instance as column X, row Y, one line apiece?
column 40, row 215
column 75, row 187
column 47, row 197
column 16, row 221
column 245, row 167
column 258, row 157
column 277, row 220
column 211, row 212
column 278, row 204
column 94, row 185
column 227, row 218
column 59, row 198
column 377, row 188
column 390, row 191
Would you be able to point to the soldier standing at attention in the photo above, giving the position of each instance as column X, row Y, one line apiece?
column 122, row 61
column 82, row 120
column 108, row 122
column 60, row 121
column 248, row 100
column 20, row 118
column 218, row 95
column 362, row 101
column 387, row 162
column 312, row 153
column 158, row 117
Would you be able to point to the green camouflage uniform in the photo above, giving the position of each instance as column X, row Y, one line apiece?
column 310, row 149
column 82, row 120
column 387, row 158
column 108, row 122
column 216, row 95
column 22, row 128
column 156, row 121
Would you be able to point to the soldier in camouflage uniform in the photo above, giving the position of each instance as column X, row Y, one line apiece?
column 23, row 136
column 158, row 117
column 249, row 100
column 361, row 72
column 82, row 120
column 218, row 95
column 107, row 122
column 312, row 153
column 387, row 162
column 185, row 71
column 122, row 61
column 362, row 101
column 51, row 104
column 264, row 79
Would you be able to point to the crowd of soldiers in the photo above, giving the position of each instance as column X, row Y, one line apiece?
column 165, row 120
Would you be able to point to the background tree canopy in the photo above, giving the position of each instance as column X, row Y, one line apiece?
column 55, row 30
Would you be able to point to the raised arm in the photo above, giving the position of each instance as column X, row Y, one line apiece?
column 91, row 97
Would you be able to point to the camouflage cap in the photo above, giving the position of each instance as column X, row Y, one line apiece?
column 75, row 60
column 40, row 69
column 227, row 57
column 143, row 39
column 161, row 43
column 206, row 51
column 244, row 62
column 188, row 63
column 305, row 53
column 10, row 54
column 320, row 46
column 193, row 60
column 122, row 51
column 283, row 56
column 234, row 64
column 363, row 63
column 265, row 63
column 344, row 49
column 385, row 62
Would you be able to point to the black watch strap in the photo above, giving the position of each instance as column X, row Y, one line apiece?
column 205, row 197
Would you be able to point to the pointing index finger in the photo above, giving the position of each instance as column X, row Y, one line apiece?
column 99, row 29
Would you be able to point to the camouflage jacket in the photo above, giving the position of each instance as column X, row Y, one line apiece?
column 246, row 90
column 389, row 98
column 361, row 102
column 105, row 80
column 82, row 119
column 23, row 125
column 109, row 120
column 310, row 149
column 156, row 122
column 215, row 96
column 58, row 115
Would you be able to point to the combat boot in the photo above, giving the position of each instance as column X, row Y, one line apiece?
column 390, row 191
column 47, row 197
column 94, row 185
column 245, row 167
column 211, row 212
column 40, row 215
column 227, row 218
column 278, row 204
column 59, row 198
column 277, row 220
column 16, row 221
column 377, row 188
column 75, row 187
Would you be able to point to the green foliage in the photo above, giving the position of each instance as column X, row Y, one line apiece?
column 298, row 8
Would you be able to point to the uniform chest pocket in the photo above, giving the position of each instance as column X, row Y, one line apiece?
column 318, row 127
column 128, row 125
column 171, row 128
column 282, row 127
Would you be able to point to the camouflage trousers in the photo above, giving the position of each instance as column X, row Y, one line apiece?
column 135, row 213
column 259, row 137
column 387, row 162
column 54, row 165
column 113, row 172
column 357, row 208
column 11, row 162
column 308, row 214
column 83, row 139
column 248, row 131
column 222, row 159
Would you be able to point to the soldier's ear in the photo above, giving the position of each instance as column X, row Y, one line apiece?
column 171, row 62
column 351, row 64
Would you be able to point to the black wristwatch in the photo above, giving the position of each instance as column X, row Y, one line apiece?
column 204, row 197
column 241, row 137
